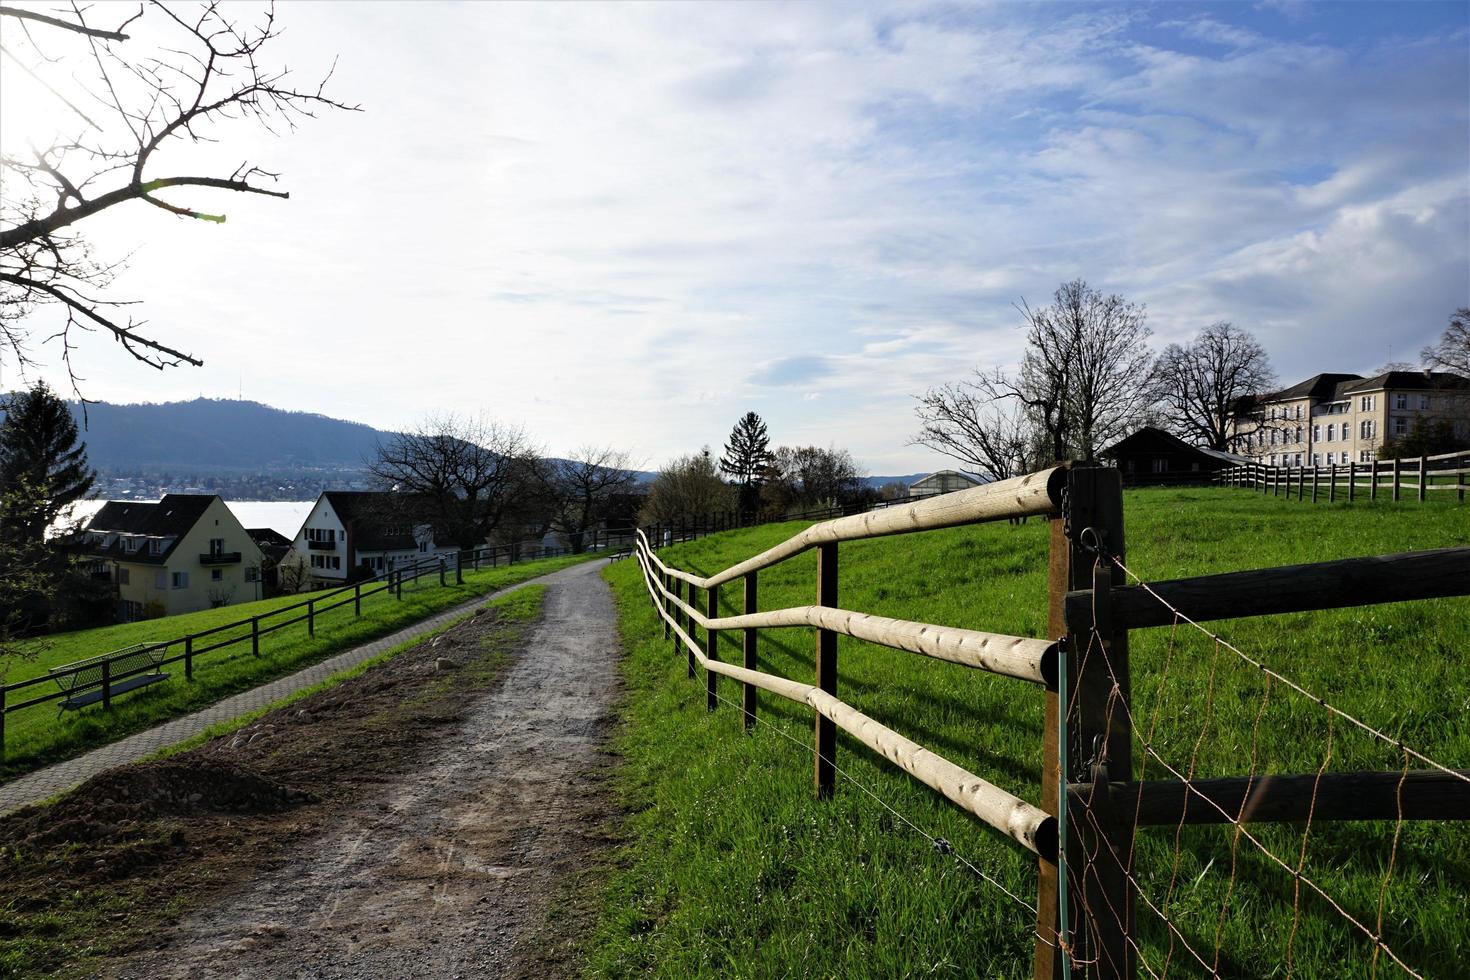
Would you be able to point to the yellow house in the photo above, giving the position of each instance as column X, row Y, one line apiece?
column 185, row 553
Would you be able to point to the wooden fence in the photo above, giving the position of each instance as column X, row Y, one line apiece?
column 1391, row 478
column 263, row 624
column 1088, row 744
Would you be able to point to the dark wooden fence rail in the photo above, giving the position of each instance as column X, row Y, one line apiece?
column 1085, row 924
column 1392, row 478
column 253, row 628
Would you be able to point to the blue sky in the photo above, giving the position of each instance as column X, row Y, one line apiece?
column 631, row 224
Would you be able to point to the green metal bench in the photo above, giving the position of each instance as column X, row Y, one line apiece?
column 101, row 678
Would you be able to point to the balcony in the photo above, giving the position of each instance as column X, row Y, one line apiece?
column 220, row 558
column 321, row 545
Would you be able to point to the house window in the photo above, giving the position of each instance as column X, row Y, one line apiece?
column 1316, row 459
column 424, row 545
column 216, row 547
column 181, row 580
column 160, row 580
column 1298, row 434
column 1161, row 465
column 1317, row 433
column 1330, row 428
column 1273, row 459
column 1400, row 426
column 123, row 576
column 336, row 561
column 1298, row 459
column 1424, row 403
column 341, row 535
column 1365, row 456
column 252, row 574
column 1298, row 415
column 1400, row 400
column 216, row 575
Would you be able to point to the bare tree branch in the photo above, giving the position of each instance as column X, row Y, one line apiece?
column 65, row 25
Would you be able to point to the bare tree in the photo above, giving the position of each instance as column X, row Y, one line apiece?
column 460, row 476
column 1452, row 352
column 1201, row 384
column 583, row 485
column 804, row 477
column 125, row 105
column 990, row 436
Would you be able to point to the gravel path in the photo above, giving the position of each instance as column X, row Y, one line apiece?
column 449, row 872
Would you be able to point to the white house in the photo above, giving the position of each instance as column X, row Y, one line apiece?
column 349, row 528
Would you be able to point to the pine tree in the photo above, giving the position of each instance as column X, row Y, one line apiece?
column 43, row 469
column 745, row 459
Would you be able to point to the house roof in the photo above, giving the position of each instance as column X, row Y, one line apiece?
column 1317, row 386
column 269, row 539
column 1412, row 380
column 171, row 517
column 1152, row 439
column 374, row 516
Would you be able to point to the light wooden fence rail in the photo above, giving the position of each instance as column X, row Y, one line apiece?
column 1105, row 805
column 1393, row 479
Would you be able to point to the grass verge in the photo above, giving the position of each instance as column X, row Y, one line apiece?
column 36, row 737
column 734, row 870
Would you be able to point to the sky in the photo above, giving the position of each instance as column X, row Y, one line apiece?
column 630, row 224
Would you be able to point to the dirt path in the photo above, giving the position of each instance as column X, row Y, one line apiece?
column 449, row 869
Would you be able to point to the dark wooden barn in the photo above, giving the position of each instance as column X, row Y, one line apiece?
column 1152, row 456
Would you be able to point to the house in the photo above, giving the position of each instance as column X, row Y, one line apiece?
column 184, row 553
column 1153, row 456
column 944, row 481
column 1335, row 419
column 273, row 547
column 351, row 528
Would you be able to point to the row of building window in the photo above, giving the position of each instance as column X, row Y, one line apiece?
column 1367, row 429
column 1333, row 459
column 325, row 534
column 326, row 561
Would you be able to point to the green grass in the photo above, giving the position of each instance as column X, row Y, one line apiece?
column 732, row 869
column 35, row 736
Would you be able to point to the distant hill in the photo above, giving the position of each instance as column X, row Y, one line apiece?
column 221, row 435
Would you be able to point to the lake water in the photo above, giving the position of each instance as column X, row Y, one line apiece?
column 285, row 516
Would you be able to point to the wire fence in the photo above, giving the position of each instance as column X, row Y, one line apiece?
column 1130, row 874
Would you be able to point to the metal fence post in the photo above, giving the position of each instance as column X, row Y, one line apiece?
column 749, row 659
column 711, row 649
column 825, row 732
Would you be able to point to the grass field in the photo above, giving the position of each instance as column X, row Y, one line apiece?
column 732, row 869
column 35, row 736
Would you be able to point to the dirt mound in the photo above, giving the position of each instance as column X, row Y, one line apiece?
column 108, row 804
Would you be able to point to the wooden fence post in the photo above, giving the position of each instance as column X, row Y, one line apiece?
column 189, row 657
column 2, row 721
column 255, row 636
column 441, row 572
column 357, row 599
column 1397, row 472
column 1373, row 480
column 1301, row 482
column 107, row 685
column 663, row 602
column 1352, row 480
column 1315, row 470
column 1095, row 501
column 749, row 660
column 711, row 638
column 825, row 733
column 1423, row 477
column 459, row 568
column 311, row 617
column 1332, row 483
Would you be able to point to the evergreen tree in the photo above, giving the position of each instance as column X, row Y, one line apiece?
column 745, row 459
column 43, row 468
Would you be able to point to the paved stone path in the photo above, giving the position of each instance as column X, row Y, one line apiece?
column 45, row 783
